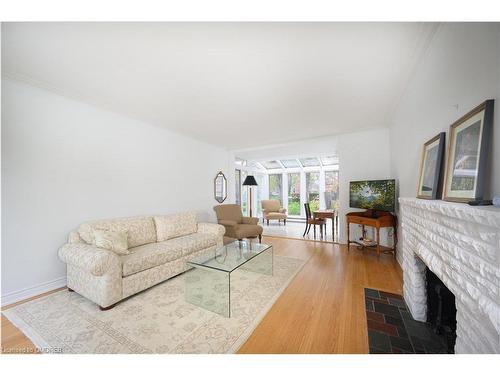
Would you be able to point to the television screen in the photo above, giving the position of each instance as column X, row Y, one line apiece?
column 375, row 195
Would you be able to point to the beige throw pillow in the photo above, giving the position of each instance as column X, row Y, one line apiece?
column 176, row 225
column 110, row 240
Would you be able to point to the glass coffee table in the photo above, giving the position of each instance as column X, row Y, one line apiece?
column 208, row 283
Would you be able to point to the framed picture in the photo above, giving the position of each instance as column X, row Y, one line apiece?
column 429, row 183
column 467, row 155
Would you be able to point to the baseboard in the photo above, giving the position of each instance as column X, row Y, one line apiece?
column 13, row 297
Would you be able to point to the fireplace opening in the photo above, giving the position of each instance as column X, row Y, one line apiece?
column 441, row 310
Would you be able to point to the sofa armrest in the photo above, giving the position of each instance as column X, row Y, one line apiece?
column 250, row 220
column 89, row 258
column 283, row 210
column 210, row 228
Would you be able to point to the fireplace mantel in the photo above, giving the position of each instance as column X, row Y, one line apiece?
column 461, row 245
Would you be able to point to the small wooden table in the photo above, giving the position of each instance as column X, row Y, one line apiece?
column 376, row 219
column 327, row 214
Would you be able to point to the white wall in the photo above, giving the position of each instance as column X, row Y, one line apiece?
column 65, row 162
column 460, row 68
column 362, row 156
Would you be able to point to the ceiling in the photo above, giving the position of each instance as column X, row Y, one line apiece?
column 235, row 85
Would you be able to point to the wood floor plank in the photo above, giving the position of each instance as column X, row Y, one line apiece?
column 321, row 311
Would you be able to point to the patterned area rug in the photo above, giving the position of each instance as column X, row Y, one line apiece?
column 158, row 320
column 392, row 330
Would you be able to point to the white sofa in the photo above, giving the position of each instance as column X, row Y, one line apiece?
column 159, row 247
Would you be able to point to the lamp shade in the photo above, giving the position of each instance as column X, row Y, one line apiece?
column 250, row 181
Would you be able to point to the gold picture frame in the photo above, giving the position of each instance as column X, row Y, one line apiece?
column 468, row 155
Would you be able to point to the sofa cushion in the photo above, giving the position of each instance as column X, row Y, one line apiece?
column 114, row 241
column 141, row 230
column 176, row 225
column 151, row 255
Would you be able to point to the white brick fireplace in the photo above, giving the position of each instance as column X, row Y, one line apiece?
column 461, row 245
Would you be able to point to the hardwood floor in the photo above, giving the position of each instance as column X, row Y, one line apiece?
column 321, row 311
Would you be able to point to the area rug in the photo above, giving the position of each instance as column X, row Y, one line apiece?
column 392, row 330
column 158, row 320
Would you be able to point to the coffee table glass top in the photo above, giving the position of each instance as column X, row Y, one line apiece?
column 231, row 256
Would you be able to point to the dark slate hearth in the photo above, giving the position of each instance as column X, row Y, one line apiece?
column 392, row 330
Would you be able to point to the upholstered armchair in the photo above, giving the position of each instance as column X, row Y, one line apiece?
column 272, row 210
column 237, row 226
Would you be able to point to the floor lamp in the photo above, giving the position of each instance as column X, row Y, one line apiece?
column 250, row 181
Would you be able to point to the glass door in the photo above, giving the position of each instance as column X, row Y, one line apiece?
column 294, row 194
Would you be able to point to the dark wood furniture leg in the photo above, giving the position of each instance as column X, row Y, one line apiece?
column 348, row 242
column 378, row 242
column 260, row 238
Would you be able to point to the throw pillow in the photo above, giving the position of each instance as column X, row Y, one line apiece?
column 176, row 225
column 110, row 240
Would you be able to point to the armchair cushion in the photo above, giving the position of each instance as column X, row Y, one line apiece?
column 275, row 216
column 88, row 258
column 272, row 210
column 271, row 205
column 250, row 220
column 248, row 231
column 228, row 223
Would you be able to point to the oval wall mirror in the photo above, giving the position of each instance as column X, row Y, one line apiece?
column 220, row 187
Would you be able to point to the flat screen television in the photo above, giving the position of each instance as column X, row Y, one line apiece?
column 377, row 195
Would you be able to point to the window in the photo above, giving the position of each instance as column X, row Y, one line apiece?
column 244, row 195
column 259, row 192
column 237, row 186
column 332, row 189
column 290, row 163
column 271, row 164
column 309, row 162
column 294, row 194
column 276, row 187
column 240, row 162
column 312, row 190
column 329, row 160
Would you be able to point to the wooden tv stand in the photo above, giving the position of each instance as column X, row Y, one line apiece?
column 376, row 219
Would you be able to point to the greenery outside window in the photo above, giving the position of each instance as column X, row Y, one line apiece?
column 276, row 187
column 312, row 190
column 294, row 194
column 332, row 189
